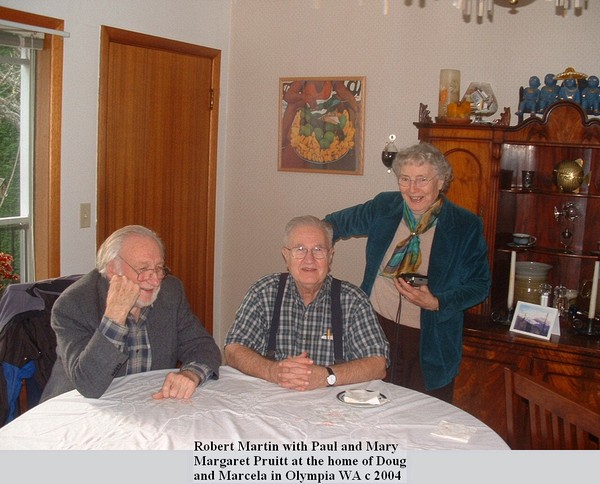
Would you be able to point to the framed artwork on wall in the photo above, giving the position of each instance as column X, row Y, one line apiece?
column 321, row 124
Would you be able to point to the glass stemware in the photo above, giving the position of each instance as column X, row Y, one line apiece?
column 560, row 299
column 566, row 238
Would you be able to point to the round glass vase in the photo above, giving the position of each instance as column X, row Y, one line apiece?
column 482, row 99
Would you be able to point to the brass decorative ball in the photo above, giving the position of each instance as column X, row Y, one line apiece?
column 568, row 175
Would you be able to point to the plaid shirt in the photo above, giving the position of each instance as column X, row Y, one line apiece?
column 133, row 340
column 307, row 328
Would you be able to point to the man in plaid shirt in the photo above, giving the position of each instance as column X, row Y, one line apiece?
column 303, row 356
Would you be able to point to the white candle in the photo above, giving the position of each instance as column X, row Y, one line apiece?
column 594, row 293
column 386, row 7
column 511, row 279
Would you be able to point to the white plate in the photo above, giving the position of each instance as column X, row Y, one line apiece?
column 382, row 399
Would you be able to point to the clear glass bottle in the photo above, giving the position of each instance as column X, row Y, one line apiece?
column 545, row 293
column 560, row 299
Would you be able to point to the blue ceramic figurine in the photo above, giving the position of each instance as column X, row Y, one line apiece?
column 569, row 91
column 548, row 93
column 530, row 96
column 590, row 96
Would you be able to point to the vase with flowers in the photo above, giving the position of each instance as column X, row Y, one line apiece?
column 7, row 272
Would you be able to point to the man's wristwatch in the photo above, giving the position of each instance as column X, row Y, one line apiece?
column 331, row 379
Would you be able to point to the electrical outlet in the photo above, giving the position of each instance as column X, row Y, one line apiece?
column 85, row 215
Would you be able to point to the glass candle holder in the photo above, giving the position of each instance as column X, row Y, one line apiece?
column 449, row 90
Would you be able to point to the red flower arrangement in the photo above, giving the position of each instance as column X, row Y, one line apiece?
column 7, row 273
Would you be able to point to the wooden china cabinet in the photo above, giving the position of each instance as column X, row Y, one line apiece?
column 487, row 162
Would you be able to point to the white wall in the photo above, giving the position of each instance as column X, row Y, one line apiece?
column 400, row 54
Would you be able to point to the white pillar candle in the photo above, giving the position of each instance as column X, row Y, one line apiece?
column 594, row 293
column 511, row 279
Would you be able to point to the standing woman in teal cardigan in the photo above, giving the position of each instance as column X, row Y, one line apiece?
column 418, row 230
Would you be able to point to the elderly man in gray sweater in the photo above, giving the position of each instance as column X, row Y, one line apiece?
column 129, row 316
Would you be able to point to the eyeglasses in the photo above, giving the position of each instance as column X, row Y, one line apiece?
column 300, row 252
column 420, row 181
column 144, row 274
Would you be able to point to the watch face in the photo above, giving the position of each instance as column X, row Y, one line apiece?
column 331, row 379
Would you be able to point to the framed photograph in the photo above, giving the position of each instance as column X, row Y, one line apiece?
column 321, row 124
column 535, row 320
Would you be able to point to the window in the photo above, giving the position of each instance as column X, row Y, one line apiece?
column 36, row 181
column 17, row 86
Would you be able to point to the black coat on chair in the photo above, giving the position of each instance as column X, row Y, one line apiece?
column 26, row 335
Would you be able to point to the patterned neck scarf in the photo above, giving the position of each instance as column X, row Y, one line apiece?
column 407, row 254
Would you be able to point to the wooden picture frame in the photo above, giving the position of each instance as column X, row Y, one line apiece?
column 534, row 320
column 321, row 124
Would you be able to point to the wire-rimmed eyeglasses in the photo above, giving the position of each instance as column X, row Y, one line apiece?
column 301, row 251
column 420, row 181
column 144, row 274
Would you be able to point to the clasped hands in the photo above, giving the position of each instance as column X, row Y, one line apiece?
column 298, row 373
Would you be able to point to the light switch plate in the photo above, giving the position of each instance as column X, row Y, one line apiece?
column 85, row 215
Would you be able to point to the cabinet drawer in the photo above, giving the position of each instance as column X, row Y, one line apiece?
column 581, row 383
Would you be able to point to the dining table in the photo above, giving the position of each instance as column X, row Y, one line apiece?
column 238, row 407
column 242, row 428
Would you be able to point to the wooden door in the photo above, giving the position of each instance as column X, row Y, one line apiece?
column 157, row 150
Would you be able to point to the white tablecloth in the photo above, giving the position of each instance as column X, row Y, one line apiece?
column 238, row 407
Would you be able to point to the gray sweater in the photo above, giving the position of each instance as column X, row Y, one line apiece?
column 88, row 361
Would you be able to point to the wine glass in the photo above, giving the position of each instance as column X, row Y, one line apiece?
column 566, row 238
column 586, row 290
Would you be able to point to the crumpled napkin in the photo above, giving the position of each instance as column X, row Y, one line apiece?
column 370, row 397
column 452, row 431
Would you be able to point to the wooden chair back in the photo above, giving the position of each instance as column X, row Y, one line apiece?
column 540, row 418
